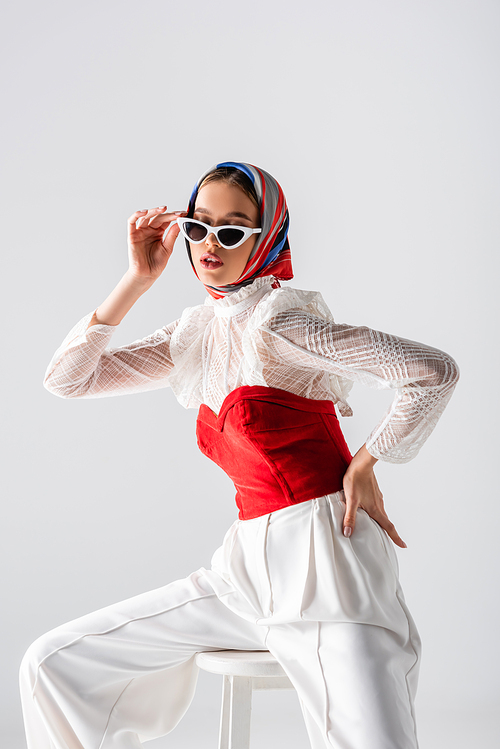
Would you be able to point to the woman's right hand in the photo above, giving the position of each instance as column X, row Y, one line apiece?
column 148, row 249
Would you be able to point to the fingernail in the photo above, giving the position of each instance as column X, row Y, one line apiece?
column 161, row 207
column 404, row 544
column 347, row 531
column 179, row 213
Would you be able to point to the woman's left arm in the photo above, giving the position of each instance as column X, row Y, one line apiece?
column 423, row 379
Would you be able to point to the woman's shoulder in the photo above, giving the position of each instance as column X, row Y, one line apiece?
column 287, row 299
column 199, row 312
column 190, row 328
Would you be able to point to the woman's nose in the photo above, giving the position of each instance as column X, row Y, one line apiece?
column 211, row 240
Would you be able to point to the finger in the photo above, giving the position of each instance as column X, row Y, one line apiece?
column 350, row 516
column 142, row 222
column 133, row 218
column 389, row 528
column 155, row 211
column 159, row 209
column 164, row 218
column 394, row 535
column 139, row 218
column 146, row 219
column 169, row 236
column 146, row 212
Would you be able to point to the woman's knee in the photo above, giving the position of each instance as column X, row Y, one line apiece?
column 37, row 654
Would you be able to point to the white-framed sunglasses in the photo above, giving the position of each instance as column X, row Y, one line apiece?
column 228, row 237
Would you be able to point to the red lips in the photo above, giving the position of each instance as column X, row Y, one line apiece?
column 210, row 261
column 210, row 255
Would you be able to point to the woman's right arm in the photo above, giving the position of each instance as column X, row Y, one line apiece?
column 82, row 367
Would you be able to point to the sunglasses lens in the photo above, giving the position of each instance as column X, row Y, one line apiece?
column 230, row 237
column 195, row 232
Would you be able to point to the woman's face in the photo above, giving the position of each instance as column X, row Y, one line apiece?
column 222, row 204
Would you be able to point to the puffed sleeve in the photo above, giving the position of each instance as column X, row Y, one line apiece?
column 83, row 367
column 423, row 377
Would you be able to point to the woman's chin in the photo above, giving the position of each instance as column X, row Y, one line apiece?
column 216, row 277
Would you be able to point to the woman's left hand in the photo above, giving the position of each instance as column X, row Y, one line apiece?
column 361, row 490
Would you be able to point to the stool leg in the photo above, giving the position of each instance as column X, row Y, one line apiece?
column 236, row 713
column 225, row 715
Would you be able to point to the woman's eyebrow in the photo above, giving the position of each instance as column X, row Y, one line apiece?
column 233, row 214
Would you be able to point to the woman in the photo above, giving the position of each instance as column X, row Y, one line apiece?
column 307, row 570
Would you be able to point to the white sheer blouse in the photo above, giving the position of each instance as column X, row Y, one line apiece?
column 283, row 338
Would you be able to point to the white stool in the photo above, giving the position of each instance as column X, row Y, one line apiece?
column 243, row 671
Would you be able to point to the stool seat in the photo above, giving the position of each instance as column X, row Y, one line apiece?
column 240, row 663
column 244, row 671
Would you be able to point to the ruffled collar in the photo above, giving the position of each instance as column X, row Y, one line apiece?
column 240, row 300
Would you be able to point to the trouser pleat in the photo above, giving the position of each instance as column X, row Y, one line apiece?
column 352, row 682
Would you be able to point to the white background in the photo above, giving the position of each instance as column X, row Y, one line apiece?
column 380, row 119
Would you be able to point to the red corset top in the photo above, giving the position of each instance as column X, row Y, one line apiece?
column 278, row 448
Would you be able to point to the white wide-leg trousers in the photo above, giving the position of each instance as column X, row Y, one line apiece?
column 126, row 673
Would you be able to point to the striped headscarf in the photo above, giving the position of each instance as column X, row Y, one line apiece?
column 271, row 253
